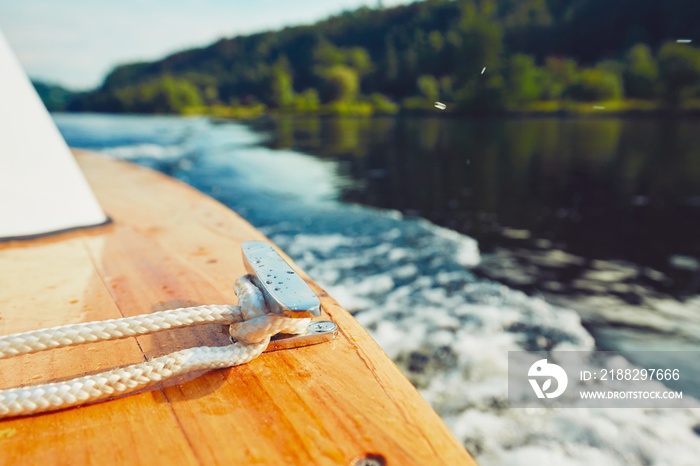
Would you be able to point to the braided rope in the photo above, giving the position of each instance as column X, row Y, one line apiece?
column 114, row 329
column 250, row 325
column 48, row 397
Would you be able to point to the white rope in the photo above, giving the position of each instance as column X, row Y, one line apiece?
column 250, row 324
column 114, row 329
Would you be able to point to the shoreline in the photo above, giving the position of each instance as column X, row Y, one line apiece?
column 536, row 110
column 559, row 114
column 515, row 115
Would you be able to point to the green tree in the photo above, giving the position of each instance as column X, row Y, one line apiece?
column 436, row 41
column 524, row 13
column 557, row 76
column 211, row 94
column 480, row 50
column 429, row 87
column 391, row 62
column 482, row 39
column 485, row 95
column 382, row 105
column 55, row 97
column 409, row 67
column 679, row 66
column 326, row 54
column 641, row 73
column 523, row 81
column 340, row 83
column 358, row 59
column 164, row 95
column 282, row 92
column 307, row 101
column 596, row 84
column 446, row 85
column 180, row 94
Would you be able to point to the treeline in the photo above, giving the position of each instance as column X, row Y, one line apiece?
column 55, row 97
column 474, row 55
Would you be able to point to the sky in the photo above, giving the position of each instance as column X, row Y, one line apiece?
column 75, row 43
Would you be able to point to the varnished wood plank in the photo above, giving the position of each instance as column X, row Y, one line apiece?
column 327, row 404
column 53, row 282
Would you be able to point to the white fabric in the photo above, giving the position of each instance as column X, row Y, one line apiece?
column 42, row 190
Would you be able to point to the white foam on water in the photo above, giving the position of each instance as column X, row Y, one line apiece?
column 408, row 282
column 145, row 151
column 285, row 173
column 460, row 329
column 466, row 249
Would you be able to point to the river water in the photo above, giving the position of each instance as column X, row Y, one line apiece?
column 455, row 241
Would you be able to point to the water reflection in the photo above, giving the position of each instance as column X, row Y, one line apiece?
column 566, row 207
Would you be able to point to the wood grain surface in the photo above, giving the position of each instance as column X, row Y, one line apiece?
column 170, row 246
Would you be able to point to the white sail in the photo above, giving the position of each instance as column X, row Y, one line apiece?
column 42, row 190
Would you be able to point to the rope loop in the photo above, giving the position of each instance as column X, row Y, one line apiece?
column 250, row 324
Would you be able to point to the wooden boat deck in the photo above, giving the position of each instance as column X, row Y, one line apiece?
column 170, row 246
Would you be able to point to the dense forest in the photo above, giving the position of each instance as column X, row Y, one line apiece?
column 55, row 97
column 475, row 56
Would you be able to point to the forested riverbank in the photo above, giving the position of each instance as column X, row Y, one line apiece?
column 473, row 56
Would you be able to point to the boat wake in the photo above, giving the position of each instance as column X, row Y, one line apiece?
column 408, row 282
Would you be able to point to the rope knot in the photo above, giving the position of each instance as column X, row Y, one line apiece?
column 258, row 324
